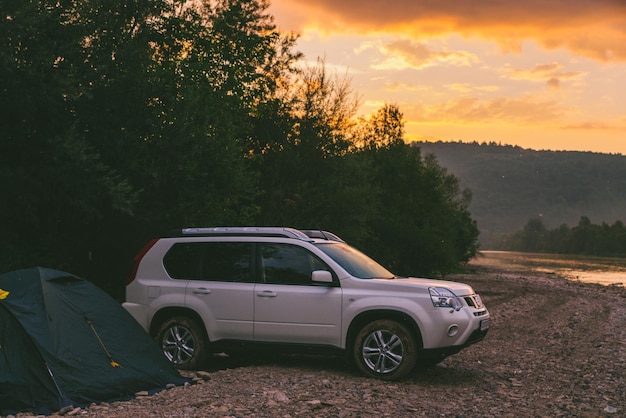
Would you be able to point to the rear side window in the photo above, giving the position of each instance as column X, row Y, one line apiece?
column 211, row 261
column 183, row 261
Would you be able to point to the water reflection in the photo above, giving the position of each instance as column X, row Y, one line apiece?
column 602, row 270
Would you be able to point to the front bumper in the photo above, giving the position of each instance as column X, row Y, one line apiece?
column 438, row 354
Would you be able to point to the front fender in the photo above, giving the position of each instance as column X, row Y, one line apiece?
column 358, row 311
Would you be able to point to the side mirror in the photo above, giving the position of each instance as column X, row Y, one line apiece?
column 322, row 276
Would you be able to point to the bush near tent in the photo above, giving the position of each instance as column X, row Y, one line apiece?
column 63, row 341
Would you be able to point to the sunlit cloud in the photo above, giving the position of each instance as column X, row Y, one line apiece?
column 396, row 86
column 469, row 88
column 331, row 68
column 595, row 29
column 373, row 104
column 407, row 54
column 502, row 110
column 366, row 46
column 535, row 72
column 551, row 74
column 595, row 126
column 403, row 54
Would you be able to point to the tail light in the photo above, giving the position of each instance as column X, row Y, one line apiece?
column 138, row 258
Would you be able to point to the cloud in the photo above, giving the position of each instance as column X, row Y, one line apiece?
column 469, row 110
column 403, row 54
column 466, row 88
column 595, row 126
column 554, row 82
column 595, row 29
column 395, row 86
column 550, row 74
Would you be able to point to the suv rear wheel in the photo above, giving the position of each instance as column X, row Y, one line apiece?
column 385, row 349
column 183, row 343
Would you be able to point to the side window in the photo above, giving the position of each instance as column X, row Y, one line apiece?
column 227, row 262
column 211, row 261
column 288, row 264
column 183, row 261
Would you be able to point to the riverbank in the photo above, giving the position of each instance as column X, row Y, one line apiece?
column 583, row 268
column 556, row 348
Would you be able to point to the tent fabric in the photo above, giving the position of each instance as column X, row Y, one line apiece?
column 63, row 341
column 22, row 383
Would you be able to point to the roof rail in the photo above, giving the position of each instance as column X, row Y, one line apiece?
column 241, row 231
column 319, row 234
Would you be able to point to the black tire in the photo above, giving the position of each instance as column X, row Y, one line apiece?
column 183, row 343
column 385, row 349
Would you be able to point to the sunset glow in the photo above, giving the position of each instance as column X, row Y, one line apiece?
column 541, row 75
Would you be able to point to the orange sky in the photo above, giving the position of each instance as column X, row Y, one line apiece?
column 541, row 74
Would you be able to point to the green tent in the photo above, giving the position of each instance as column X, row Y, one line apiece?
column 63, row 341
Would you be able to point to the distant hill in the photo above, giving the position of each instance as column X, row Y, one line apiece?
column 511, row 185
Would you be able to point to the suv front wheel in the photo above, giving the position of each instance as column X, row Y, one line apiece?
column 385, row 349
column 182, row 342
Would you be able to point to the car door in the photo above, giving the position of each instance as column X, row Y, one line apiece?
column 222, row 293
column 288, row 306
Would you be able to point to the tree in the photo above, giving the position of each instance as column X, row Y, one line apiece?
column 122, row 120
column 384, row 128
column 55, row 184
column 303, row 164
column 534, row 236
column 421, row 212
column 585, row 238
column 214, row 62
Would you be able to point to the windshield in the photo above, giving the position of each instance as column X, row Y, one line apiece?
column 354, row 262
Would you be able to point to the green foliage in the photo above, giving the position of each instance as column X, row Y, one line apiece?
column 302, row 162
column 54, row 182
column 384, row 129
column 422, row 214
column 405, row 201
column 584, row 238
column 122, row 120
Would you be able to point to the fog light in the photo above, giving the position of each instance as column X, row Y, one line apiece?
column 452, row 330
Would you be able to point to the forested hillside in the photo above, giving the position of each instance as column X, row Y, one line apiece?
column 511, row 185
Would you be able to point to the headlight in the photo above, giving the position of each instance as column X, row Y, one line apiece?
column 444, row 298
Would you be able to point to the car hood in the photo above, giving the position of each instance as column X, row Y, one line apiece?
column 459, row 289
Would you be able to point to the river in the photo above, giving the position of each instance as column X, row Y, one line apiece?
column 602, row 270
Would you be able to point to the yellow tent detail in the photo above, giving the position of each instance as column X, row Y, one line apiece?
column 4, row 294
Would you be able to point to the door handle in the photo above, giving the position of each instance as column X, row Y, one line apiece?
column 266, row 294
column 201, row 291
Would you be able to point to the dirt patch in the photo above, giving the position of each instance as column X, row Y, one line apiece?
column 555, row 348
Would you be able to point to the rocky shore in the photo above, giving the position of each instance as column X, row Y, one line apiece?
column 556, row 348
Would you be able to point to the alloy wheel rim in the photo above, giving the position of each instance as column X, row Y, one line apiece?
column 178, row 344
column 382, row 351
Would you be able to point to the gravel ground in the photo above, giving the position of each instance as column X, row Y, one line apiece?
column 556, row 348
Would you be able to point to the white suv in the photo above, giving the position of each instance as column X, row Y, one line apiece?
column 205, row 290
